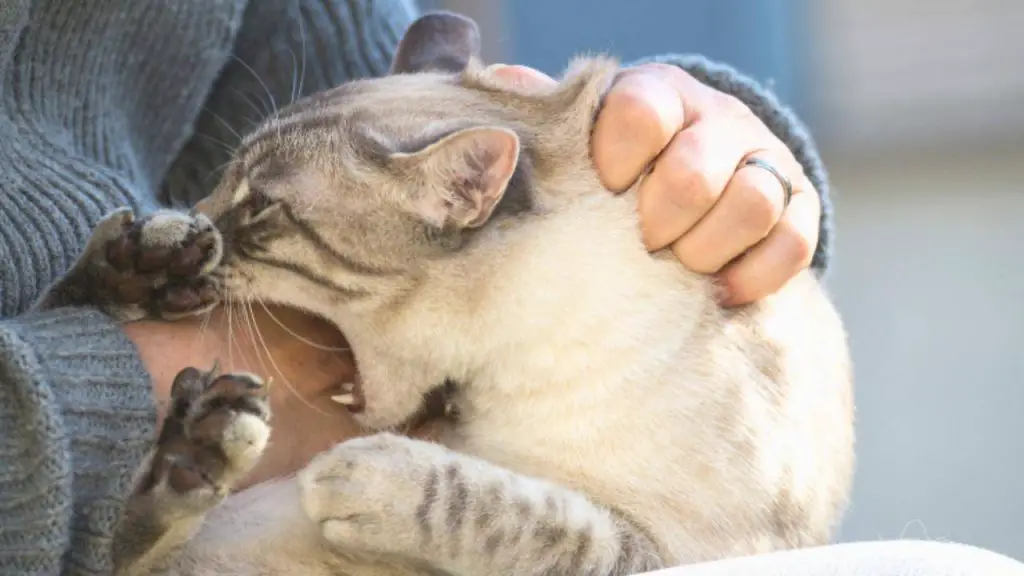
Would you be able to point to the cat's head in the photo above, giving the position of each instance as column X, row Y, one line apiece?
column 346, row 202
column 362, row 184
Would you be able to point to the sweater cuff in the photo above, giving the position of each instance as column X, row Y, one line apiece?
column 780, row 120
column 81, row 384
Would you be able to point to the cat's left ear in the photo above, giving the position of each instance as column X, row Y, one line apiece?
column 440, row 41
column 466, row 175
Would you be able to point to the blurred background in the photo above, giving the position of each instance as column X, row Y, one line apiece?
column 919, row 111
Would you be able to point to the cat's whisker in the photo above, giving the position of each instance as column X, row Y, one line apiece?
column 273, row 102
column 302, row 73
column 284, row 379
column 200, row 337
column 299, row 337
column 219, row 170
column 226, row 124
column 295, row 70
column 260, row 114
column 231, row 334
column 244, row 345
column 224, row 145
column 254, row 333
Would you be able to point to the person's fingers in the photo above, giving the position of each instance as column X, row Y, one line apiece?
column 519, row 77
column 750, row 206
column 687, row 180
column 787, row 250
column 640, row 114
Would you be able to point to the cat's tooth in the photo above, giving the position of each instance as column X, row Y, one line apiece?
column 348, row 387
column 347, row 399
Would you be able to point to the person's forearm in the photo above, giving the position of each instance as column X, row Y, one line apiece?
column 166, row 348
column 77, row 417
column 780, row 120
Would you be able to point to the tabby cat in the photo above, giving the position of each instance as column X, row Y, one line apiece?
column 611, row 417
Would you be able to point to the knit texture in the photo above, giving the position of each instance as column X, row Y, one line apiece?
column 76, row 416
column 109, row 104
column 132, row 103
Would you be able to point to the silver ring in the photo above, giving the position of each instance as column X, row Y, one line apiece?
column 787, row 186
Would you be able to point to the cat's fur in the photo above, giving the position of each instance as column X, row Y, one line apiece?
column 612, row 418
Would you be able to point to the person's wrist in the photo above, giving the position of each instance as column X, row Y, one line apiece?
column 165, row 348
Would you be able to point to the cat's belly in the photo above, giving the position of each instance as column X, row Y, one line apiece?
column 260, row 531
column 264, row 531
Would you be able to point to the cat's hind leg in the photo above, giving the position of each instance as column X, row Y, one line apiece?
column 395, row 496
column 214, row 433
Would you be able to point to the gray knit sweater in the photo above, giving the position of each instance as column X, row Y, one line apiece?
column 137, row 102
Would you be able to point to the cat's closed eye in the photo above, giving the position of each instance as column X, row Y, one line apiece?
column 258, row 201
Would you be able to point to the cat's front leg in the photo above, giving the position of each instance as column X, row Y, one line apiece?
column 214, row 433
column 158, row 266
column 391, row 495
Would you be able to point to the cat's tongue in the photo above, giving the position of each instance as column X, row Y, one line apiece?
column 351, row 396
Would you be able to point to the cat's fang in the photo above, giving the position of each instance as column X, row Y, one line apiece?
column 347, row 399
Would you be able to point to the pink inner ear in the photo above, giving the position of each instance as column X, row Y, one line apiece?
column 465, row 173
column 488, row 158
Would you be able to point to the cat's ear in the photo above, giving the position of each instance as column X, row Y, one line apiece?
column 439, row 41
column 466, row 173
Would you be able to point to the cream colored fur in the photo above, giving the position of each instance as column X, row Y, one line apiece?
column 603, row 396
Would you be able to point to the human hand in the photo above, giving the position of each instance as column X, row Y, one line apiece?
column 689, row 142
column 307, row 358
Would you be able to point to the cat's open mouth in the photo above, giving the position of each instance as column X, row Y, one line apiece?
column 436, row 403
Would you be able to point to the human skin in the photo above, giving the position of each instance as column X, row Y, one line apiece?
column 306, row 358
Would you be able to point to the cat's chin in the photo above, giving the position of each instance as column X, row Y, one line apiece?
column 430, row 413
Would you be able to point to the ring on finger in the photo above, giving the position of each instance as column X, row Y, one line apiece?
column 787, row 186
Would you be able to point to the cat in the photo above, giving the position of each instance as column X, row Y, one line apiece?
column 610, row 417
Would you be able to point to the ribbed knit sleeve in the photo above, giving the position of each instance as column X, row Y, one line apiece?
column 285, row 50
column 76, row 417
column 98, row 100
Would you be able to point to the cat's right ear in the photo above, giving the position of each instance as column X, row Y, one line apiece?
column 466, row 174
column 437, row 41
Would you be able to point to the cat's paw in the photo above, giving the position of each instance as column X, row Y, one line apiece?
column 153, row 267
column 374, row 494
column 159, row 264
column 215, row 431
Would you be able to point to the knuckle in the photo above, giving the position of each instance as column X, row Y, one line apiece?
column 631, row 112
column 687, row 183
column 643, row 107
column 760, row 205
column 757, row 214
column 731, row 105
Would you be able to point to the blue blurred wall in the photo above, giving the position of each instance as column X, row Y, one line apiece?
column 766, row 39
